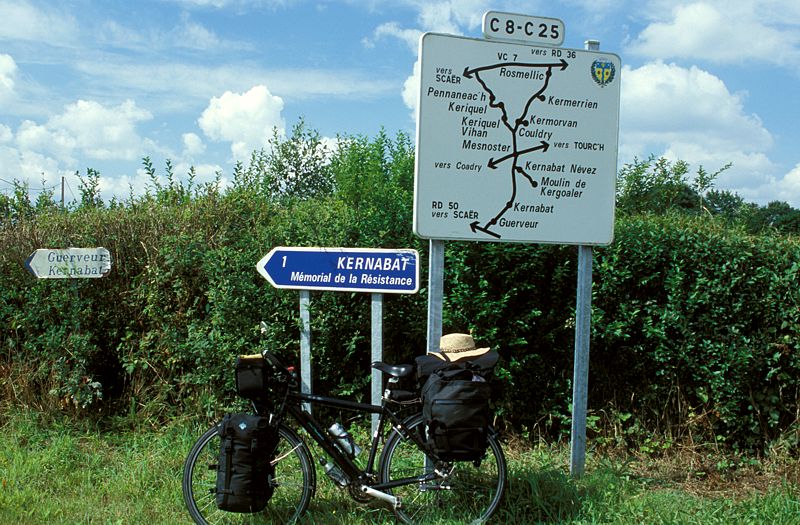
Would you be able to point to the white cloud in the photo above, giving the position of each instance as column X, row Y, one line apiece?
column 101, row 132
column 411, row 90
column 84, row 130
column 438, row 16
column 393, row 29
column 30, row 167
column 781, row 188
column 21, row 20
column 31, row 136
column 8, row 70
column 192, row 145
column 191, row 35
column 205, row 3
column 443, row 16
column 175, row 87
column 242, row 5
column 725, row 32
column 689, row 114
column 246, row 120
column 186, row 34
column 789, row 187
column 217, row 4
column 667, row 100
column 114, row 34
column 451, row 16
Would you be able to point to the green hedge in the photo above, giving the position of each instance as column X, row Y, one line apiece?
column 696, row 326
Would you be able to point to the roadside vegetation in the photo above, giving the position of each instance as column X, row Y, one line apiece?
column 694, row 400
column 57, row 471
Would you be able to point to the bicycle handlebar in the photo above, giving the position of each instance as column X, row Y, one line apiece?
column 279, row 366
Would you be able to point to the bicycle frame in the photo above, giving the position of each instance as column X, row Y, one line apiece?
column 357, row 476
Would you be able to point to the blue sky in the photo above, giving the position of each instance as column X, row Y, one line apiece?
column 102, row 84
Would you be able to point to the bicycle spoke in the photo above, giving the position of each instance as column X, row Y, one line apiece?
column 466, row 492
column 294, row 483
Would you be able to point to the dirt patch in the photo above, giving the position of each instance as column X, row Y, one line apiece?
column 715, row 474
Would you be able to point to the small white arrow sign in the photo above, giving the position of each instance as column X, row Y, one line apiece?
column 69, row 263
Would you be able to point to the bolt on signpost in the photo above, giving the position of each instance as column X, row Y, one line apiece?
column 368, row 270
column 517, row 142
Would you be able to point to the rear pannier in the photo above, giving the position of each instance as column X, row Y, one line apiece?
column 456, row 405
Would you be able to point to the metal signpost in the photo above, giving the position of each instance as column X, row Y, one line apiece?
column 371, row 270
column 580, row 368
column 517, row 142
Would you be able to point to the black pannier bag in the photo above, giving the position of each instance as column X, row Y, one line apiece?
column 482, row 365
column 244, row 469
column 251, row 377
column 455, row 405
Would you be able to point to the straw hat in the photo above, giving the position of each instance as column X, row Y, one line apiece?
column 458, row 346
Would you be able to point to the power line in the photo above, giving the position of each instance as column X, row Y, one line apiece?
column 70, row 189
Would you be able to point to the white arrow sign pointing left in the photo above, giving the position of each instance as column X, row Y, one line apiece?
column 69, row 263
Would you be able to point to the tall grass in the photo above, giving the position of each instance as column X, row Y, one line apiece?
column 54, row 472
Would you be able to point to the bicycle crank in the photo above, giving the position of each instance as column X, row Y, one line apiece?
column 394, row 501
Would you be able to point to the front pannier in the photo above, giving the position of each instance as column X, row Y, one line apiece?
column 251, row 377
column 244, row 469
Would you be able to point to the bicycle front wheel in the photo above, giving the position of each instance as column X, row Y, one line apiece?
column 463, row 492
column 294, row 482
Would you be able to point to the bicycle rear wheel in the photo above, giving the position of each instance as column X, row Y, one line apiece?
column 294, row 482
column 464, row 492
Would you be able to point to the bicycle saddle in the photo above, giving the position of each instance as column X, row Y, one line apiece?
column 394, row 370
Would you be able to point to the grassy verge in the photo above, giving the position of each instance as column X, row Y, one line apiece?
column 55, row 472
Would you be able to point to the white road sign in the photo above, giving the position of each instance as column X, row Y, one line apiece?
column 69, row 263
column 515, row 142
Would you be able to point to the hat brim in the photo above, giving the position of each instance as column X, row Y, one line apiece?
column 456, row 356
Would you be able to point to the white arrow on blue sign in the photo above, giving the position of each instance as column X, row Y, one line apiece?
column 374, row 270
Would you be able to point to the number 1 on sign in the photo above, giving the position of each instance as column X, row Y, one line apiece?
column 284, row 262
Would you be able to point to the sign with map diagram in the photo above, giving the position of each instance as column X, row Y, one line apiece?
column 515, row 142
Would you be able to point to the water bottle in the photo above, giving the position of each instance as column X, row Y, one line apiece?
column 344, row 440
column 334, row 472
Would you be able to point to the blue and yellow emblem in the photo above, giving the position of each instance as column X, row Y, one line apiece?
column 603, row 71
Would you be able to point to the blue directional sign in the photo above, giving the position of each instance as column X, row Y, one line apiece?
column 342, row 269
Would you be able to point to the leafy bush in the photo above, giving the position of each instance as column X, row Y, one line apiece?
column 696, row 325
column 699, row 322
